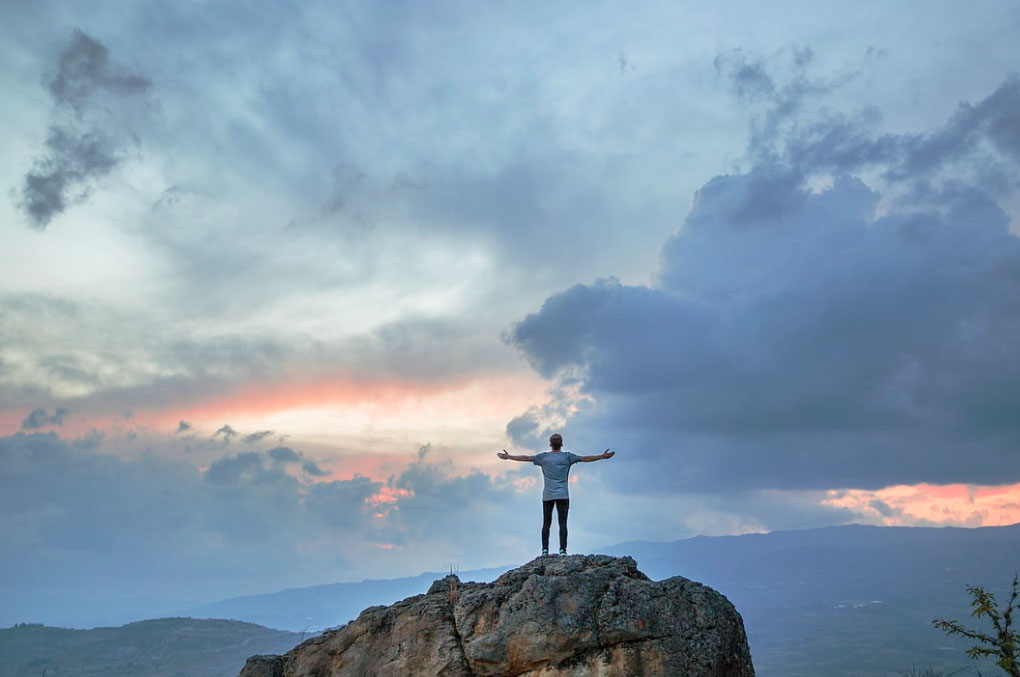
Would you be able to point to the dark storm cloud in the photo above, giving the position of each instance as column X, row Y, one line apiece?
column 226, row 432
column 60, row 177
column 247, row 465
column 884, row 509
column 68, row 497
column 313, row 469
column 40, row 418
column 437, row 502
column 844, row 143
column 993, row 119
column 784, row 84
column 85, row 139
column 252, row 438
column 255, row 467
column 526, row 430
column 259, row 485
column 982, row 139
column 985, row 136
column 341, row 504
column 996, row 116
column 284, row 455
column 802, row 339
column 979, row 145
column 84, row 70
column 78, row 518
column 748, row 75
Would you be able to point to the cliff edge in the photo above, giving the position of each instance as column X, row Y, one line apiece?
column 573, row 615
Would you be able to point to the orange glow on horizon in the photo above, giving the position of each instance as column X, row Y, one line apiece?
column 268, row 398
column 338, row 404
column 943, row 505
column 326, row 406
column 388, row 495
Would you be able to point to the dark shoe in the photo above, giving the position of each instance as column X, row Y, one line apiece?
column 563, row 551
column 545, row 552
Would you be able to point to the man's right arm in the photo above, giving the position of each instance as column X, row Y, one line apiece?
column 601, row 457
column 510, row 457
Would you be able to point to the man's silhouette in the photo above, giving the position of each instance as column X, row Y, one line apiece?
column 555, row 468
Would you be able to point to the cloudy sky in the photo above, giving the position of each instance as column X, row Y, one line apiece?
column 279, row 279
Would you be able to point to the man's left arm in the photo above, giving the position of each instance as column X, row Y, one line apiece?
column 601, row 457
column 510, row 457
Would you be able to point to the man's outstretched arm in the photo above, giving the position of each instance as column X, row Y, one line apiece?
column 601, row 457
column 510, row 457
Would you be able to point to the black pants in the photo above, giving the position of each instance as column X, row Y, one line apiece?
column 562, row 506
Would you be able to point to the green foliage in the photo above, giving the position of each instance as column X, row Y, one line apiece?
column 1004, row 644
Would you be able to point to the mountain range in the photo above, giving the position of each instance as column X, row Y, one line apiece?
column 841, row 601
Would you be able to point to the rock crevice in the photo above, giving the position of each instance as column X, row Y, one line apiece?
column 575, row 615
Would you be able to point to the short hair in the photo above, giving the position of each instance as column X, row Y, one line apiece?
column 556, row 437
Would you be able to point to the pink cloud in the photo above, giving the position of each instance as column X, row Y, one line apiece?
column 387, row 495
column 944, row 505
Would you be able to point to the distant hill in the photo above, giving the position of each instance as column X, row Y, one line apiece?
column 319, row 607
column 167, row 647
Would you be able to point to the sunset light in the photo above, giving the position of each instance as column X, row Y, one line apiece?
column 302, row 295
column 933, row 505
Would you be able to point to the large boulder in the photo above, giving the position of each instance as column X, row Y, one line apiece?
column 575, row 615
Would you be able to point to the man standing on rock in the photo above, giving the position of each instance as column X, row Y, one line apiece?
column 555, row 467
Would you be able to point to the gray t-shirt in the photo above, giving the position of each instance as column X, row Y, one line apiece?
column 555, row 467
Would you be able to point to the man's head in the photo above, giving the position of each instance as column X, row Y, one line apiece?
column 556, row 441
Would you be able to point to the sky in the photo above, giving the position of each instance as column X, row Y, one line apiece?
column 278, row 280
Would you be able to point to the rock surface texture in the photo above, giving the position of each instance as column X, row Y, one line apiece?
column 575, row 615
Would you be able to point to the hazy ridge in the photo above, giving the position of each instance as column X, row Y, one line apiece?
column 166, row 647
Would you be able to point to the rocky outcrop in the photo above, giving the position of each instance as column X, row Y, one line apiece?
column 575, row 615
